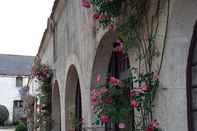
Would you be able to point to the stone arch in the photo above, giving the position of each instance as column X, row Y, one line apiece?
column 73, row 105
column 102, row 59
column 84, row 80
column 102, row 65
column 102, row 56
column 56, row 108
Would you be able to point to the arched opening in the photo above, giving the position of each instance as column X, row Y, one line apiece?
column 108, row 63
column 192, row 82
column 56, row 108
column 102, row 58
column 73, row 101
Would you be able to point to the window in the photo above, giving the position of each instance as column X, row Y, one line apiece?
column 15, row 104
column 18, row 103
column 19, row 81
column 192, row 83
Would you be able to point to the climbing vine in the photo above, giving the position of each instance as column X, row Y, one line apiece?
column 44, row 75
column 136, row 23
column 133, row 23
column 114, row 101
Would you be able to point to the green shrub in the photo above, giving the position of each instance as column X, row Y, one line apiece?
column 4, row 115
column 21, row 127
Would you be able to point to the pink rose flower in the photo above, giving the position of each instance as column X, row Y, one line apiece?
column 149, row 129
column 132, row 93
column 96, row 16
column 114, row 81
column 144, row 86
column 104, row 118
column 111, row 27
column 121, row 125
column 98, row 78
column 153, row 125
column 103, row 89
column 103, row 16
column 93, row 92
column 134, row 103
column 93, row 98
column 86, row 3
column 138, row 90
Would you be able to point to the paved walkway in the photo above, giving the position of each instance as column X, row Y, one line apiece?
column 10, row 129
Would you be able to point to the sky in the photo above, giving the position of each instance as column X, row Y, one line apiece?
column 22, row 24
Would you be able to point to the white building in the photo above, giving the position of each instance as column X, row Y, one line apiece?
column 14, row 72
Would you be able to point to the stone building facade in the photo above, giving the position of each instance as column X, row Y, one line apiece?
column 76, row 52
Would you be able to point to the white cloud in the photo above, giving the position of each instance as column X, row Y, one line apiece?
column 22, row 23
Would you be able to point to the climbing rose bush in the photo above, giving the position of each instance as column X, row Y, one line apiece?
column 107, row 101
column 116, row 99
column 153, row 126
column 136, row 94
column 41, row 71
column 105, row 11
column 86, row 3
column 44, row 74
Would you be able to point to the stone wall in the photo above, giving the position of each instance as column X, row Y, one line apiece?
column 80, row 45
column 172, row 99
